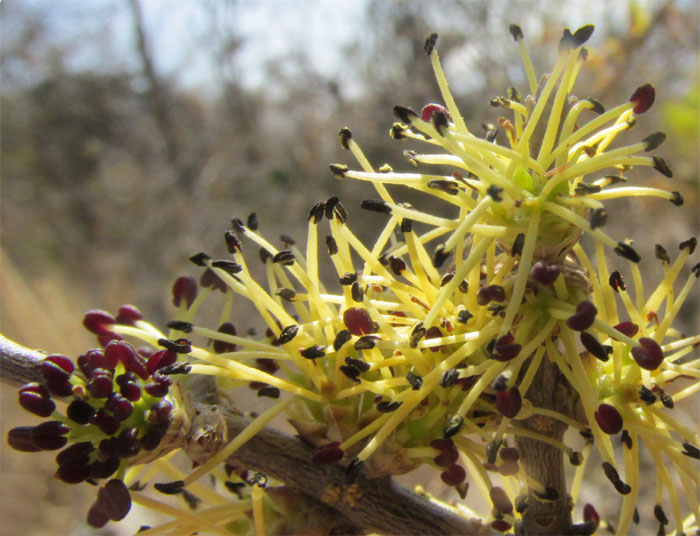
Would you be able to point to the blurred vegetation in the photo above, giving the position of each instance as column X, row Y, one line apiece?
column 114, row 172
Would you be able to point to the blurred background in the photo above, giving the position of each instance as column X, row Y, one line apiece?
column 133, row 130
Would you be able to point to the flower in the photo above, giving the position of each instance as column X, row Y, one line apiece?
column 427, row 348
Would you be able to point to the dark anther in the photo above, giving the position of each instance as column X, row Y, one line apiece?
column 689, row 244
column 397, row 131
column 652, row 141
column 696, row 270
column 691, row 450
column 660, row 515
column 440, row 256
column 313, row 352
column 170, row 488
column 238, row 225
column 626, row 251
column 384, row 406
column 626, row 439
column 252, row 221
column 516, row 32
column 345, row 137
column 229, row 267
column 500, row 383
column 264, row 255
column 417, row 334
column 376, row 205
column 614, row 477
column 269, row 392
column 406, row 225
column 591, row 344
column 646, row 395
column 598, row 217
column 334, row 208
column 446, row 278
column 233, row 243
column 667, row 401
column 491, row 135
column 448, row 187
column 490, row 293
column 286, row 294
column 405, row 114
column 584, row 316
column 567, row 41
column 180, row 325
column 583, row 188
column 440, row 122
column 180, row 346
column 200, row 259
column 316, row 212
column 288, row 333
column 597, row 106
column 351, row 372
column 357, row 292
column 463, row 286
column 176, row 368
column 677, row 198
column 616, row 281
column 397, row 265
column 366, row 342
column 449, row 377
column 284, row 257
column 341, row 338
column 452, row 426
column 494, row 192
column 518, row 244
column 575, row 458
column 348, row 278
column 661, row 166
column 415, row 381
column 338, row 170
column 463, row 316
column 353, row 469
column 582, row 35
column 661, row 253
column 360, row 365
column 430, row 42
column 332, row 245
column 258, row 479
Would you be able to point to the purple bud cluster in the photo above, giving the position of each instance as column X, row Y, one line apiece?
column 118, row 410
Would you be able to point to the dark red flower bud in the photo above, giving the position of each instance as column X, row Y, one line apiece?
column 447, row 457
column 156, row 390
column 627, row 328
column 221, row 346
column 543, row 273
column 128, row 444
column 49, row 435
column 509, row 402
column 96, row 517
column 57, row 368
column 500, row 500
column 609, row 419
column 328, row 454
column 454, row 475
column 442, row 444
column 584, row 316
column 590, row 514
column 98, row 322
column 643, row 98
column 20, row 438
column 358, row 321
column 105, row 422
column 80, row 411
column 100, row 384
column 114, row 499
column 128, row 315
column 505, row 348
column 184, row 289
column 119, row 407
column 648, row 355
column 429, row 110
column 36, row 399
column 490, row 293
column 104, row 469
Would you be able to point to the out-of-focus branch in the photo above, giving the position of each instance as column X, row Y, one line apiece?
column 379, row 505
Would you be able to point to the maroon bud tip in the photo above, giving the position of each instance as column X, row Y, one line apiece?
column 184, row 289
column 97, row 321
column 609, row 419
column 643, row 98
column 454, row 475
column 509, row 402
column 358, row 321
column 128, row 315
column 648, row 355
